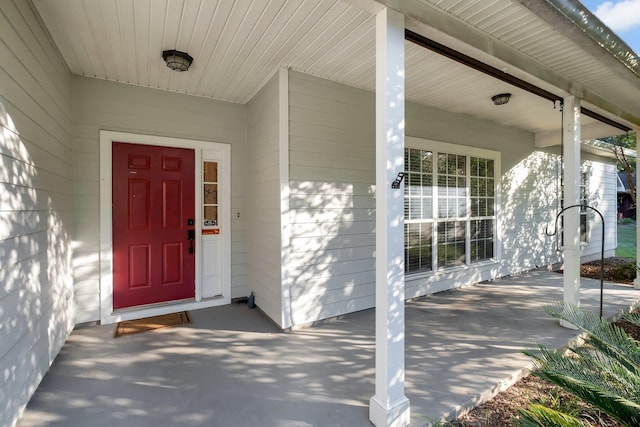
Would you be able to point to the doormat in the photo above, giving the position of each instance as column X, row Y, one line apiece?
column 131, row 327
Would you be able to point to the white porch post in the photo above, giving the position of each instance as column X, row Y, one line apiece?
column 389, row 406
column 571, row 140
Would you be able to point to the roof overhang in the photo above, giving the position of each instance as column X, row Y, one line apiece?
column 237, row 49
column 604, row 149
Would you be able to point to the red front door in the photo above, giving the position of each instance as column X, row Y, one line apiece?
column 153, row 223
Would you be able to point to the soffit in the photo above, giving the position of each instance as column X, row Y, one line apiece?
column 238, row 46
column 544, row 41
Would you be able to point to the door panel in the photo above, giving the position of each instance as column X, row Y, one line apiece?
column 153, row 197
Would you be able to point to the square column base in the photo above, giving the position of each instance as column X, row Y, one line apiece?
column 397, row 415
column 636, row 283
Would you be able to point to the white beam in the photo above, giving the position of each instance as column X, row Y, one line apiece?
column 389, row 406
column 571, row 229
column 590, row 131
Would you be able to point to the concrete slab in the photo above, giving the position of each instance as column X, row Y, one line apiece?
column 232, row 367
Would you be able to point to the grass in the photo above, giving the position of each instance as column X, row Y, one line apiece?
column 626, row 239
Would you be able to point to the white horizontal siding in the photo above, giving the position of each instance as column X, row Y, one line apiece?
column 529, row 204
column 332, row 211
column 332, row 206
column 36, row 195
column 263, row 185
column 602, row 195
column 99, row 104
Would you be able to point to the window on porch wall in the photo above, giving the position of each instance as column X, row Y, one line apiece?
column 585, row 172
column 451, row 223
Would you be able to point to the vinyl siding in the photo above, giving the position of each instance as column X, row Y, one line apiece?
column 332, row 206
column 602, row 195
column 263, row 185
column 36, row 194
column 99, row 104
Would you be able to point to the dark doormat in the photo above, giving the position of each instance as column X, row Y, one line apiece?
column 131, row 327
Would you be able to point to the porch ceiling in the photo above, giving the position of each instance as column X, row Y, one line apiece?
column 238, row 45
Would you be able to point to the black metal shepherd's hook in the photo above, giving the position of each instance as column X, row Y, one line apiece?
column 546, row 230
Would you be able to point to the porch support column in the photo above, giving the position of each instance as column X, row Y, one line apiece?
column 571, row 229
column 389, row 406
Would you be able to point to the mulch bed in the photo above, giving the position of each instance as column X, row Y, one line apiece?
column 616, row 269
column 502, row 410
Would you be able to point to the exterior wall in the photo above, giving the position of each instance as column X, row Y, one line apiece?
column 529, row 203
column 515, row 147
column 99, row 104
column 36, row 186
column 263, row 184
column 332, row 176
column 602, row 195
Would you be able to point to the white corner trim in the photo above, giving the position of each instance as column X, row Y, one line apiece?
column 107, row 314
column 285, row 223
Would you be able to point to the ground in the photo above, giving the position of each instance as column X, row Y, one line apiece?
column 626, row 238
column 502, row 410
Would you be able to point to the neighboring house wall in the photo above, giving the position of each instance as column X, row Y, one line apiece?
column 36, row 195
column 99, row 104
column 601, row 195
column 332, row 176
column 263, row 194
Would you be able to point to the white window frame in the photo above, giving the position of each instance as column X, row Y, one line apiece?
column 448, row 148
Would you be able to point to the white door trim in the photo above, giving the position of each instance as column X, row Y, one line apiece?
column 107, row 314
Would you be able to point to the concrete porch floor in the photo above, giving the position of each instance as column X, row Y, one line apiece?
column 232, row 367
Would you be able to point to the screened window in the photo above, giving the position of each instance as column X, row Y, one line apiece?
column 449, row 208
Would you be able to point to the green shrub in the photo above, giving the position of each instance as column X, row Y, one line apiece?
column 604, row 372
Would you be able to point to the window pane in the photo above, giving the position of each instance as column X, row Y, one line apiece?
column 210, row 215
column 462, row 207
column 462, row 165
column 442, row 208
column 442, row 163
column 451, row 243
column 210, row 171
column 415, row 184
column 414, row 160
column 211, row 194
column 583, row 228
column 415, row 208
column 427, row 162
column 481, row 239
column 418, row 247
column 490, row 166
column 427, row 208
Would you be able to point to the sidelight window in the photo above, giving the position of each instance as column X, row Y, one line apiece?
column 210, row 194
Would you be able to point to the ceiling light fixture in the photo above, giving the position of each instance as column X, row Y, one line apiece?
column 176, row 60
column 501, row 98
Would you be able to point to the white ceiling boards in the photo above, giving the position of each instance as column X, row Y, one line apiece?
column 238, row 45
